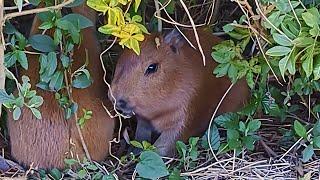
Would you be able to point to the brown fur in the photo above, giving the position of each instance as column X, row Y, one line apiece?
column 46, row 142
column 179, row 99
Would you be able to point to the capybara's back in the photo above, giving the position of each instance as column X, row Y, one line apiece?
column 47, row 142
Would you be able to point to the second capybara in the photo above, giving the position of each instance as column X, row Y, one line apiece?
column 47, row 142
column 168, row 87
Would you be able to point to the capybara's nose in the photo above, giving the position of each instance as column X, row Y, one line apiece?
column 122, row 105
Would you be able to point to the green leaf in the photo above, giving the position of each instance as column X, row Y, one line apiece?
column 42, row 43
column 4, row 97
column 316, row 141
column 70, row 162
column 278, row 51
column 92, row 167
column 19, row 4
column 283, row 65
column 232, row 134
column 175, row 175
column 22, row 59
column 307, row 153
column 316, row 70
column 281, row 39
column 16, row 113
column 300, row 129
column 136, row 5
column 228, row 120
column 253, row 125
column 248, row 141
column 75, row 3
column 78, row 20
column 55, row 173
column 311, row 17
column 46, row 25
column 36, row 113
column 136, row 144
column 307, row 64
column 82, row 174
column 316, row 129
column 303, row 41
column 52, row 63
column 35, row 101
column 81, row 81
column 56, row 81
column 214, row 138
column 151, row 166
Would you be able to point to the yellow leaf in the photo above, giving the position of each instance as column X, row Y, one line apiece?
column 139, row 37
column 109, row 29
column 98, row 5
column 135, row 46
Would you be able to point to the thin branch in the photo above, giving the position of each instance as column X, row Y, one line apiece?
column 35, row 11
column 158, row 12
column 195, row 31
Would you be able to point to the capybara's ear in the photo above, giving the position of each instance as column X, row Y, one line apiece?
column 175, row 40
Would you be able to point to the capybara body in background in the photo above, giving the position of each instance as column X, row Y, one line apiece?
column 168, row 87
column 47, row 142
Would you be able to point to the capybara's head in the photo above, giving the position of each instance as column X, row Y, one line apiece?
column 144, row 85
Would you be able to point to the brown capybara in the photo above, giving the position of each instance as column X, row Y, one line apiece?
column 47, row 142
column 168, row 87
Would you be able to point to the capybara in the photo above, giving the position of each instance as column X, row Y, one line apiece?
column 168, row 87
column 47, row 142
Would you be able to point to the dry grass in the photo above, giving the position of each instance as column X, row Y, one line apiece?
column 272, row 159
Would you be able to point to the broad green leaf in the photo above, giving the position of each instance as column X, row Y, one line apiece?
column 70, row 162
column 75, row 3
column 253, row 125
column 307, row 153
column 81, row 81
column 22, row 59
column 232, row 134
column 16, row 113
column 316, row 141
column 307, row 63
column 283, row 65
column 316, row 70
column 42, row 43
column 300, row 129
column 281, row 39
column 248, row 141
column 278, row 51
column 4, row 97
column 151, row 166
column 46, row 25
column 56, row 81
column 136, row 5
column 311, row 17
column 228, row 120
column 52, row 63
column 82, row 174
column 303, row 41
column 214, row 138
column 250, row 80
column 55, row 173
column 78, row 20
column 316, row 129
column 35, row 101
column 136, row 144
column 92, row 167
column 36, row 113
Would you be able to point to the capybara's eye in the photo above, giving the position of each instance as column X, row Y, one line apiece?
column 152, row 68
